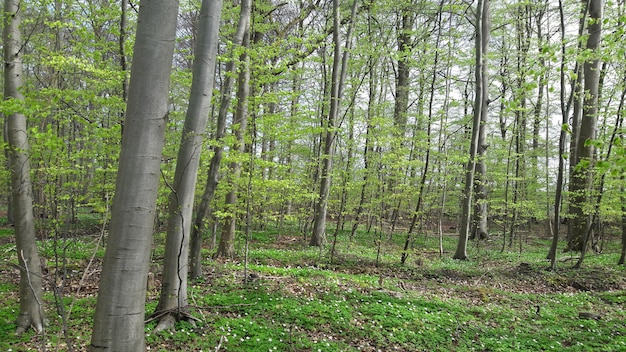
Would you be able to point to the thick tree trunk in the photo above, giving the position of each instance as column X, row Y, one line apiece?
column 174, row 279
column 218, row 149
column 482, row 38
column 31, row 292
column 120, row 309
column 582, row 176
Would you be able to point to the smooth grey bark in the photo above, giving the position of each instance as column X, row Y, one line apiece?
column 226, row 247
column 173, row 297
column 31, row 288
column 479, row 226
column 7, row 155
column 576, row 100
column 120, row 308
column 218, row 150
column 339, row 68
column 582, row 175
column 482, row 36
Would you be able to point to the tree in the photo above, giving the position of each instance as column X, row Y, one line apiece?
column 173, row 298
column 479, row 228
column 582, row 177
column 338, row 75
column 31, row 287
column 120, row 308
column 483, row 27
column 226, row 246
column 218, row 148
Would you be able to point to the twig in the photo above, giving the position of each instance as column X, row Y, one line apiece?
column 481, row 276
column 219, row 345
column 193, row 298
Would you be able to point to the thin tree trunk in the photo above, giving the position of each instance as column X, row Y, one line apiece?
column 368, row 150
column 565, row 107
column 31, row 288
column 622, row 188
column 420, row 196
column 482, row 35
column 318, row 237
column 226, row 247
column 623, row 197
column 120, row 308
column 214, row 166
column 576, row 98
column 122, row 48
column 344, row 186
column 173, row 295
column 480, row 229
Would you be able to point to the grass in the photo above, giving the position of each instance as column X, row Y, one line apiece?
column 364, row 300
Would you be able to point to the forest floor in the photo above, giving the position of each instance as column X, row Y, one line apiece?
column 362, row 300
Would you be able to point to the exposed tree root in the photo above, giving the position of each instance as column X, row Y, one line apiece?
column 168, row 318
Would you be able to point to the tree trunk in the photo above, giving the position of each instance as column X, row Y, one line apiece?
column 562, row 141
column 226, row 246
column 368, row 149
column 7, row 155
column 31, row 291
column 577, row 98
column 622, row 188
column 482, row 39
column 174, row 280
column 582, row 176
column 318, row 237
column 214, row 166
column 420, row 196
column 120, row 308
column 480, row 230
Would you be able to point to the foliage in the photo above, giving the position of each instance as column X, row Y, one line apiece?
column 298, row 300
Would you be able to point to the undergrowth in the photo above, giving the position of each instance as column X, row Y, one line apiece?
column 362, row 300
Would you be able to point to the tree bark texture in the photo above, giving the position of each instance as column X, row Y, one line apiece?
column 120, row 309
column 479, row 226
column 174, row 280
column 31, row 288
column 339, row 68
column 582, row 175
column 482, row 34
column 576, row 99
column 218, row 150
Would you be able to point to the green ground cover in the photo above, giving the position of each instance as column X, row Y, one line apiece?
column 363, row 301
